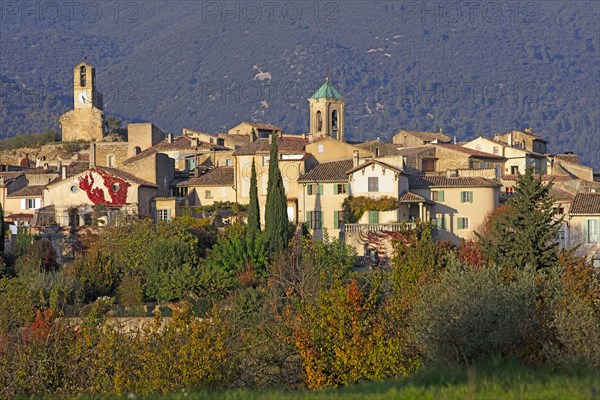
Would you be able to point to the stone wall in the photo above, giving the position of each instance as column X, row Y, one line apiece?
column 82, row 125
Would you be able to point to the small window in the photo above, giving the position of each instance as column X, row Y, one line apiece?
column 229, row 163
column 338, row 219
column 561, row 235
column 29, row 203
column 112, row 160
column 321, row 148
column 374, row 184
column 341, row 188
column 466, row 197
column 314, row 188
column 440, row 221
column 164, row 215
column 437, row 195
column 314, row 219
column 180, row 191
column 514, row 170
column 591, row 236
column 265, row 161
column 74, row 189
column 496, row 150
column 478, row 147
column 510, row 190
column 115, row 187
column 373, row 217
column 463, row 223
column 207, row 194
column 596, row 263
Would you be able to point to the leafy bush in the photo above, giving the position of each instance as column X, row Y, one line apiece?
column 471, row 314
column 343, row 338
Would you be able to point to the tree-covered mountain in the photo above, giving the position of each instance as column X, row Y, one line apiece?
column 467, row 68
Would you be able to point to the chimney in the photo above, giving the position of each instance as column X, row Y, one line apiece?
column 169, row 138
column 355, row 158
column 63, row 172
column 194, row 142
column 45, row 166
column 528, row 130
column 92, row 155
column 510, row 139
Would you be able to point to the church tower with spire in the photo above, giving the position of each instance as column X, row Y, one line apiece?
column 327, row 113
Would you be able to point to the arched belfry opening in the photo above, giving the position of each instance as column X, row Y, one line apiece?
column 82, row 76
column 327, row 112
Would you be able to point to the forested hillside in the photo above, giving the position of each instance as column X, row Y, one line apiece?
column 468, row 70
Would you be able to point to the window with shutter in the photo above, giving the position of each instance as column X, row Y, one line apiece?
column 374, row 184
column 592, row 231
column 373, row 217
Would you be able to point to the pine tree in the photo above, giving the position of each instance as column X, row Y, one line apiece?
column 526, row 234
column 276, row 219
column 253, row 208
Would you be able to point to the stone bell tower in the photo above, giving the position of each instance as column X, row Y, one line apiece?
column 85, row 121
column 327, row 113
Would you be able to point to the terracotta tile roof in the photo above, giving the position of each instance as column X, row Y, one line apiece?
column 29, row 191
column 127, row 176
column 410, row 197
column 407, row 151
column 419, row 181
column 221, row 176
column 470, row 152
column 10, row 176
column 385, row 149
column 181, row 143
column 545, row 178
column 77, row 167
column 371, row 162
column 334, row 171
column 559, row 194
column 426, row 136
column 285, row 144
column 19, row 216
column 263, row 126
column 586, row 203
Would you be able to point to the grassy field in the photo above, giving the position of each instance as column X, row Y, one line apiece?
column 497, row 380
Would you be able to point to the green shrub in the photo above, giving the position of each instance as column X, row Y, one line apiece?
column 471, row 314
column 578, row 332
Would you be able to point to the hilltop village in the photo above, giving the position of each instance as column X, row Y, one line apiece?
column 150, row 173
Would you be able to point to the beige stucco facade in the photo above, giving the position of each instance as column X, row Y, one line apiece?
column 329, row 149
column 580, row 233
column 473, row 212
column 517, row 159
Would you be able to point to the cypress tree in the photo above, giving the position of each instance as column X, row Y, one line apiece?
column 2, row 229
column 276, row 219
column 527, row 234
column 253, row 208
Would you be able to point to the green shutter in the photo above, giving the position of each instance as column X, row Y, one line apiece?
column 320, row 189
column 440, row 195
column 470, row 197
column 373, row 217
column 335, row 188
column 460, row 223
column 308, row 223
column 347, row 188
column 336, row 220
column 322, row 215
column 309, row 190
column 586, row 238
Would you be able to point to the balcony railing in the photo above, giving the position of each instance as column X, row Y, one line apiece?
column 389, row 227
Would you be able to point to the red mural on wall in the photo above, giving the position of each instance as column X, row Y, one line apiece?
column 116, row 188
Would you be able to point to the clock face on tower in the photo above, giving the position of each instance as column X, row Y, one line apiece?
column 82, row 97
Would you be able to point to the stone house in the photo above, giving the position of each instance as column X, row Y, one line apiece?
column 413, row 138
